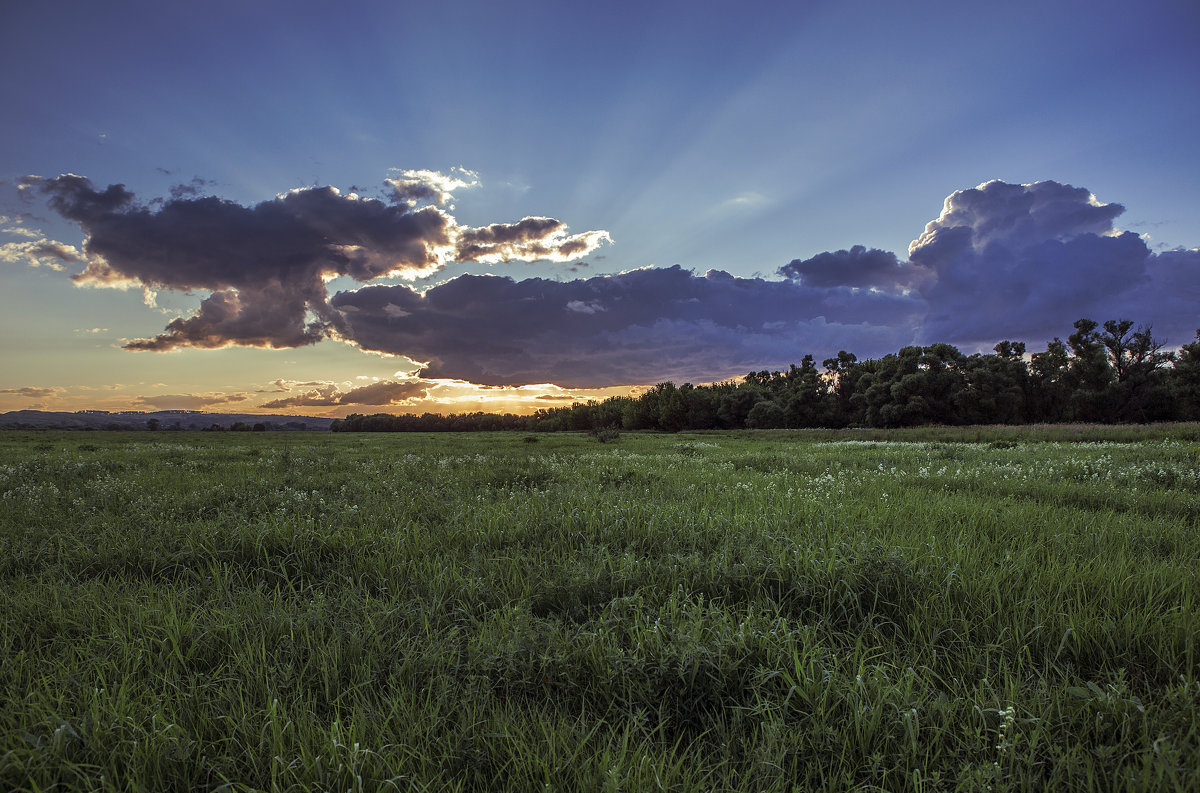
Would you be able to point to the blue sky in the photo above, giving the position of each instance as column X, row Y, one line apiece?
column 711, row 136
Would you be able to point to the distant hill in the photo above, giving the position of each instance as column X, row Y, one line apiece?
column 167, row 420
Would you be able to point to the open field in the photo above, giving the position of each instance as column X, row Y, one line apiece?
column 967, row 609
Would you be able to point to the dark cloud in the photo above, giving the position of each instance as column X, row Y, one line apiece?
column 267, row 317
column 266, row 265
column 640, row 326
column 857, row 267
column 74, row 198
column 1169, row 297
column 1001, row 261
column 385, row 392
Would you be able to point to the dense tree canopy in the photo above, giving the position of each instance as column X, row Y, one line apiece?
column 1108, row 373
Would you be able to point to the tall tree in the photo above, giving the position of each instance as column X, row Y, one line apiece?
column 917, row 385
column 1090, row 373
column 805, row 404
column 994, row 388
column 842, row 374
column 672, row 408
column 736, row 405
column 1049, row 383
column 1141, row 390
column 1185, row 380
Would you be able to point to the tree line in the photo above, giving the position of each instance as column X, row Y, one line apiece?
column 1110, row 373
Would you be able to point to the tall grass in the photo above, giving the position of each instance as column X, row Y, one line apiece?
column 988, row 609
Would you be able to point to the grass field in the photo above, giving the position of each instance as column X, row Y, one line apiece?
column 932, row 610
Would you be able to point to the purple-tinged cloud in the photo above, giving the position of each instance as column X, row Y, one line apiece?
column 636, row 327
column 1024, row 261
column 1001, row 261
column 1169, row 297
column 1020, row 215
column 266, row 266
column 857, row 267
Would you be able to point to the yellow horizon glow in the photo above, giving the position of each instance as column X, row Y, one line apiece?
column 442, row 397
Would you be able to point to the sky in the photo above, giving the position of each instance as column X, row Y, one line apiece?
column 312, row 208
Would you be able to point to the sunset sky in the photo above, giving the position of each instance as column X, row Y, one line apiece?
column 319, row 208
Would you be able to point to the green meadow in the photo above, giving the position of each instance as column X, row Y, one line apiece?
column 927, row 610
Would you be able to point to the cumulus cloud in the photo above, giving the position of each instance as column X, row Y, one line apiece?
column 1020, row 215
column 265, row 266
column 640, row 326
column 1024, row 261
column 419, row 186
column 42, row 253
column 385, row 392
